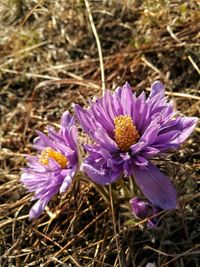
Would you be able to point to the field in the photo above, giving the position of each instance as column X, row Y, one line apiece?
column 50, row 59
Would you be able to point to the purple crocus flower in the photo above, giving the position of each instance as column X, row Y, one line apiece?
column 52, row 170
column 143, row 209
column 128, row 131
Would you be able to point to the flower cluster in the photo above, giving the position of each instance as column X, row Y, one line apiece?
column 127, row 132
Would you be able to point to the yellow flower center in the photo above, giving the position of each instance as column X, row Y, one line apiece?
column 125, row 132
column 50, row 153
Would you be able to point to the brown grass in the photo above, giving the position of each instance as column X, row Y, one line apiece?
column 48, row 60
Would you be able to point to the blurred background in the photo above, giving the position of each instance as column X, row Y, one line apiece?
column 48, row 60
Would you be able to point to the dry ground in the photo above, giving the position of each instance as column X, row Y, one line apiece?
column 49, row 59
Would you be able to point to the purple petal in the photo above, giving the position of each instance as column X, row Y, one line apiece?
column 84, row 118
column 155, row 220
column 140, row 208
column 43, row 140
column 37, row 209
column 140, row 161
column 148, row 152
column 67, row 180
column 101, row 174
column 32, row 180
column 127, row 97
column 151, row 133
column 137, row 147
column 103, row 112
column 186, row 127
column 157, row 89
column 104, row 140
column 40, row 205
column 67, row 120
column 53, row 135
column 156, row 186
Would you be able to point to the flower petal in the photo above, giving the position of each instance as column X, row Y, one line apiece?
column 157, row 89
column 84, row 118
column 104, row 140
column 140, row 208
column 38, row 208
column 67, row 119
column 186, row 127
column 156, row 186
column 127, row 97
column 101, row 174
column 67, row 180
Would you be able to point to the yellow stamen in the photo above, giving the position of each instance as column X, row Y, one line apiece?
column 57, row 156
column 125, row 132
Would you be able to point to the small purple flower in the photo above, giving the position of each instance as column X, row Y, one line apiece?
column 143, row 209
column 128, row 131
column 140, row 208
column 52, row 170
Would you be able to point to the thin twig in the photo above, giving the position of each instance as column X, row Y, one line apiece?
column 194, row 64
column 30, row 13
column 98, row 45
column 179, row 94
column 114, row 224
column 150, row 64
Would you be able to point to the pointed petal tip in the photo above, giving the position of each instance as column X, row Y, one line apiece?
column 66, row 119
column 157, row 88
column 34, row 214
column 66, row 183
column 37, row 209
column 127, row 85
column 157, row 83
column 74, row 105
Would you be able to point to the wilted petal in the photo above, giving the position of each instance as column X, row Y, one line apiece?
column 156, row 186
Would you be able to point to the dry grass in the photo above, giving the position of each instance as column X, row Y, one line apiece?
column 49, row 59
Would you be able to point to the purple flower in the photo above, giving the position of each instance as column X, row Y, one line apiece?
column 52, row 170
column 128, row 131
column 143, row 209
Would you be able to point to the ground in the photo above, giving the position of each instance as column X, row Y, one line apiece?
column 48, row 60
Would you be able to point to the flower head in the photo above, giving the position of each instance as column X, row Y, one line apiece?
column 128, row 131
column 144, row 209
column 52, row 170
